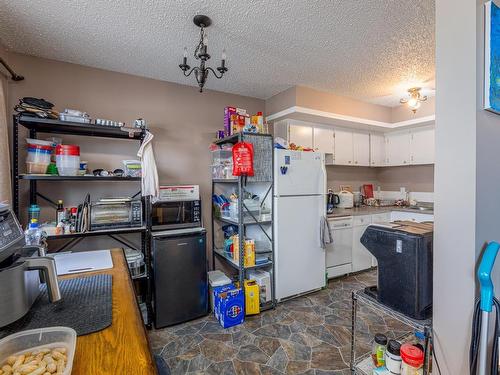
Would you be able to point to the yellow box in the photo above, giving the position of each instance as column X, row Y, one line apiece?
column 249, row 260
column 252, row 301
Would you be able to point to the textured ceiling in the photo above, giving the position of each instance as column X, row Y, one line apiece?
column 367, row 49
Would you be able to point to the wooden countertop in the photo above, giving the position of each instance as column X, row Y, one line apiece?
column 122, row 348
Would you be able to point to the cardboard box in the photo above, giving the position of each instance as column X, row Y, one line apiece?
column 230, row 307
column 263, row 280
column 252, row 300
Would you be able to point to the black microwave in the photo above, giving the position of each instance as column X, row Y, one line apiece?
column 176, row 214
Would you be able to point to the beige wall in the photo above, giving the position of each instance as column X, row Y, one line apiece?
column 418, row 178
column 182, row 120
column 328, row 102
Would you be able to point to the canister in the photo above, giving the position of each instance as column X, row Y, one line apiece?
column 412, row 360
column 378, row 349
column 393, row 357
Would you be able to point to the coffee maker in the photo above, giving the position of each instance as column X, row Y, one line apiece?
column 20, row 268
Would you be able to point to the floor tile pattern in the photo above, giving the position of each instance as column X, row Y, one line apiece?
column 308, row 335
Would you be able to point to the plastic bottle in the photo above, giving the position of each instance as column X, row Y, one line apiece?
column 33, row 234
column 33, row 213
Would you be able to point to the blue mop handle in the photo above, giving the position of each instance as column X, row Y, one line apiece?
column 484, row 275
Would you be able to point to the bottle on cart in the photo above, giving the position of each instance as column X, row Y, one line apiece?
column 60, row 212
column 33, row 235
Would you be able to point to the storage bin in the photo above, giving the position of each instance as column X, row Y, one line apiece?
column 232, row 210
column 36, row 168
column 216, row 279
column 68, row 160
column 222, row 157
column 53, row 337
column 223, row 172
column 133, row 168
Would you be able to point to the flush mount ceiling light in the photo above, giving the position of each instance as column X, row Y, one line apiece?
column 201, row 54
column 414, row 99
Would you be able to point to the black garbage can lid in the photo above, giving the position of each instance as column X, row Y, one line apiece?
column 381, row 339
column 394, row 347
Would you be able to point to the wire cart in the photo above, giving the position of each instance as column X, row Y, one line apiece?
column 363, row 364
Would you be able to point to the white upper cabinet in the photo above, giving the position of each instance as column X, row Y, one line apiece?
column 343, row 147
column 397, row 148
column 377, row 150
column 323, row 140
column 301, row 135
column 361, row 149
column 422, row 146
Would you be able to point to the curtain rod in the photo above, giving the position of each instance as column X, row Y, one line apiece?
column 13, row 75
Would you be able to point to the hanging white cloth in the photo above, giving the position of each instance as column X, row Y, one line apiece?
column 150, row 183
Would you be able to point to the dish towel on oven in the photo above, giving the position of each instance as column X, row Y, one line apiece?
column 325, row 233
column 150, row 184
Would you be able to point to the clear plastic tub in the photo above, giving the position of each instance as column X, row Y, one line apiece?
column 67, row 165
column 38, row 155
column 28, row 341
column 222, row 157
column 223, row 172
column 36, row 168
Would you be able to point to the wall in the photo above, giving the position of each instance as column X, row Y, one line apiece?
column 328, row 102
column 182, row 120
column 5, row 182
column 455, row 182
column 414, row 178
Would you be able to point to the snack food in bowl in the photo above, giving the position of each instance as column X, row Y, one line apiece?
column 38, row 352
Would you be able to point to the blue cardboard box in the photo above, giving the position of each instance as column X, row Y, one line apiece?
column 230, row 307
column 215, row 296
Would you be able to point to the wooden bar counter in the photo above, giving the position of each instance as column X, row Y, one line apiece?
column 122, row 348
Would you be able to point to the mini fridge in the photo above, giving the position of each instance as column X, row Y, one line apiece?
column 180, row 275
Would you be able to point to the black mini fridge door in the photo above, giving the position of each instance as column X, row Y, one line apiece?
column 180, row 276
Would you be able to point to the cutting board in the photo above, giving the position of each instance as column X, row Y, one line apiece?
column 84, row 261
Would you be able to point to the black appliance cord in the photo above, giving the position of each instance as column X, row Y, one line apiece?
column 476, row 333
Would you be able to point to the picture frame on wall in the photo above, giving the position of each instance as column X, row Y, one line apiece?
column 492, row 56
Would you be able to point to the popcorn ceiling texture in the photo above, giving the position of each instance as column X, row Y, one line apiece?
column 363, row 49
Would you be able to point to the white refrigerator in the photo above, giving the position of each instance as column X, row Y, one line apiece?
column 299, row 203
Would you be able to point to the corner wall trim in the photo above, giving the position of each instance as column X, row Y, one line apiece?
column 355, row 120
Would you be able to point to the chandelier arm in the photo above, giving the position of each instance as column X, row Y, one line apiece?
column 214, row 73
column 191, row 71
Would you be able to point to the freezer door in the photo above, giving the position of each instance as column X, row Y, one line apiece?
column 299, row 173
column 180, row 279
column 300, row 260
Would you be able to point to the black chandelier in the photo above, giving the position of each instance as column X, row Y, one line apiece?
column 201, row 54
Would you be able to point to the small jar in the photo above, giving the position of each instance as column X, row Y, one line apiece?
column 412, row 360
column 378, row 350
column 393, row 357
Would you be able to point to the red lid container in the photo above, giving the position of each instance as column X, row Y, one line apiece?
column 412, row 355
column 73, row 150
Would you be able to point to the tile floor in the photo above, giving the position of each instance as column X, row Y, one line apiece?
column 307, row 335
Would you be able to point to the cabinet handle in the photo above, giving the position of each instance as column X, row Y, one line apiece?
column 349, row 162
column 404, row 161
column 356, row 162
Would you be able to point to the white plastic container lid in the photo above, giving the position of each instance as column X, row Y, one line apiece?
column 218, row 278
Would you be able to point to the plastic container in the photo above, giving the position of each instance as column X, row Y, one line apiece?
column 393, row 357
column 135, row 261
column 412, row 360
column 216, row 279
column 133, row 168
column 68, row 160
column 222, row 156
column 53, row 337
column 378, row 350
column 36, row 168
column 39, row 154
column 34, row 213
column 40, row 142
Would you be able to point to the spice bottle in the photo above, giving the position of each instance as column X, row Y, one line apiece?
column 378, row 350
column 412, row 360
column 393, row 357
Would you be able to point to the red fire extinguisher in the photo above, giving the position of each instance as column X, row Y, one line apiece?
column 243, row 159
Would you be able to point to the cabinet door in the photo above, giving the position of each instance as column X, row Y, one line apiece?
column 301, row 135
column 343, row 147
column 397, row 149
column 377, row 150
column 361, row 257
column 361, row 149
column 422, row 146
column 323, row 140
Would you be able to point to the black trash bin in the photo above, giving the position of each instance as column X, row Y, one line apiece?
column 404, row 256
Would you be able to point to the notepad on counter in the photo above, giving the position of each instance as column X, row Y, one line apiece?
column 84, row 261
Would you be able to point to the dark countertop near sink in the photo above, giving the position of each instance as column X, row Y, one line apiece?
column 370, row 210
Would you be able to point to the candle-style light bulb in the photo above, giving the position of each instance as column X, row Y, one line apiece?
column 223, row 54
column 185, row 52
